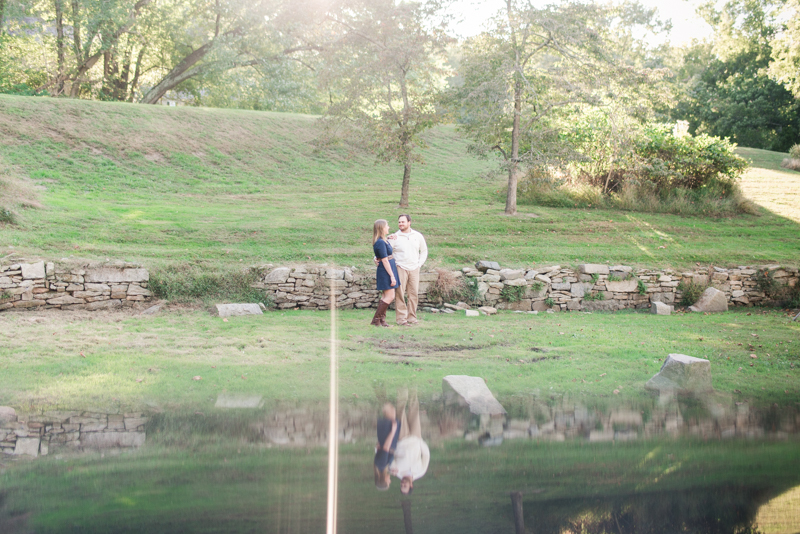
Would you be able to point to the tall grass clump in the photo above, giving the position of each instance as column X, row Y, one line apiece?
column 449, row 287
column 655, row 169
column 793, row 161
column 194, row 283
column 690, row 293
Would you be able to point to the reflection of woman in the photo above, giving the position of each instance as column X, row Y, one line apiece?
column 387, row 270
column 388, row 432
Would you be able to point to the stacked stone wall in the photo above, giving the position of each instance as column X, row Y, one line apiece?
column 586, row 288
column 51, row 285
column 42, row 434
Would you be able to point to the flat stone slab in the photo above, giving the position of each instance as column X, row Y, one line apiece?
column 682, row 374
column 712, row 300
column 593, row 268
column 27, row 447
column 226, row 400
column 659, row 308
column 488, row 310
column 32, row 271
column 471, row 391
column 472, row 313
column 233, row 310
column 277, row 276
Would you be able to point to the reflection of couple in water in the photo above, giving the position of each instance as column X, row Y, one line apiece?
column 400, row 451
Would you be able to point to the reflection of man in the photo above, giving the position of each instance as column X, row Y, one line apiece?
column 412, row 455
column 410, row 253
column 388, row 434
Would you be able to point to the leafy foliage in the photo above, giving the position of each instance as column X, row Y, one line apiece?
column 794, row 152
column 512, row 293
column 690, row 292
column 186, row 283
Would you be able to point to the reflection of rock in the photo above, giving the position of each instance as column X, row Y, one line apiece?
column 227, row 400
column 712, row 300
column 109, row 440
column 681, row 373
column 7, row 414
column 471, row 391
column 27, row 447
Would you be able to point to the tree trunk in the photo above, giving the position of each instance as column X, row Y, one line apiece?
column 519, row 520
column 513, row 163
column 60, row 46
column 182, row 72
column 407, row 516
column 406, row 181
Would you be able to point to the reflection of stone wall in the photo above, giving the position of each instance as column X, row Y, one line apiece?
column 590, row 287
column 36, row 435
column 709, row 420
column 50, row 285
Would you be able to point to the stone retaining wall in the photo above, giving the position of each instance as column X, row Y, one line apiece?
column 587, row 288
column 35, row 435
column 52, row 285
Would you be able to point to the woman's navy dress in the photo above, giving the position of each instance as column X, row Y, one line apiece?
column 383, row 249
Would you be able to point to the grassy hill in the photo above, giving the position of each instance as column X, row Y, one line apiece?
column 222, row 187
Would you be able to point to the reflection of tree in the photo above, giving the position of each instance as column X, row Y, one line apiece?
column 710, row 511
column 407, row 516
column 519, row 519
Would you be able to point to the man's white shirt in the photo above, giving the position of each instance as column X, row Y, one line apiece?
column 409, row 250
column 411, row 457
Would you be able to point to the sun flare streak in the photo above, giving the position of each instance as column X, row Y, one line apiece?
column 333, row 427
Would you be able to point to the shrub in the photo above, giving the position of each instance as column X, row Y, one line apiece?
column 451, row 288
column 599, row 295
column 640, row 287
column 186, row 283
column 549, row 302
column 794, row 152
column 766, row 283
column 512, row 293
column 793, row 296
column 690, row 292
column 537, row 286
column 6, row 216
column 5, row 295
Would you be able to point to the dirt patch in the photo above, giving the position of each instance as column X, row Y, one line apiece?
column 154, row 157
column 413, row 349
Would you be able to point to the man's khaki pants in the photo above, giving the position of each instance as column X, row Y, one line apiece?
column 406, row 308
column 409, row 415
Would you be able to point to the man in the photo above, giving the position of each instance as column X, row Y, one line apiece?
column 410, row 253
column 412, row 455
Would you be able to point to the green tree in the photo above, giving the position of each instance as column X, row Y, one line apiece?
column 383, row 75
column 523, row 77
column 726, row 91
column 785, row 65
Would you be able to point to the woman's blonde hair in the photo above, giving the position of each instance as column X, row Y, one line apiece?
column 381, row 480
column 379, row 230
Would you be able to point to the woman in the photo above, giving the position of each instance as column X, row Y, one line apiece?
column 387, row 270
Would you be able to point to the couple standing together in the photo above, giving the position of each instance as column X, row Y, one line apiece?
column 399, row 257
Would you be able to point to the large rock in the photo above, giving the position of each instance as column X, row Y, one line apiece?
column 511, row 274
column 277, row 276
column 471, row 391
column 233, row 310
column 712, row 300
column 7, row 414
column 659, row 308
column 483, row 266
column 27, row 447
column 32, row 271
column 682, row 374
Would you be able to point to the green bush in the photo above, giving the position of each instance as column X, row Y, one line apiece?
column 512, row 293
column 549, row 302
column 794, row 152
column 690, row 292
column 187, row 283
column 640, row 287
column 793, row 296
column 6, row 216
column 766, row 283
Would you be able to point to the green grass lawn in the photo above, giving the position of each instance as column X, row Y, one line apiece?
column 224, row 187
column 122, row 362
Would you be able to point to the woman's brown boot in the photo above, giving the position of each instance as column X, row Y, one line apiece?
column 380, row 314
